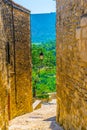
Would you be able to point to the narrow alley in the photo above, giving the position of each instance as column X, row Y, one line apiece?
column 41, row 119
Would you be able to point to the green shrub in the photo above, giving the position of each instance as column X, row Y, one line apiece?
column 45, row 96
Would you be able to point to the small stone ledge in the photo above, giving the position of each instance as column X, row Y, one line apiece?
column 37, row 104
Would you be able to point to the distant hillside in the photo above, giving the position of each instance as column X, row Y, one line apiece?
column 43, row 27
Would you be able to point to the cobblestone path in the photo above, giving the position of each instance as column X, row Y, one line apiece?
column 41, row 119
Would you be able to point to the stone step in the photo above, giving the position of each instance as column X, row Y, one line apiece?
column 37, row 105
column 41, row 119
column 38, row 125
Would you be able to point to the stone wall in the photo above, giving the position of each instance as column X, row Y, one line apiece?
column 22, row 62
column 72, row 64
column 15, row 60
column 3, row 80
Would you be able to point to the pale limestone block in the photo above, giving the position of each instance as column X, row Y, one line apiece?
column 83, row 52
column 84, row 32
column 83, row 21
column 83, row 45
column 52, row 95
column 86, row 11
column 78, row 33
column 86, row 44
column 84, row 56
column 79, row 45
column 60, row 46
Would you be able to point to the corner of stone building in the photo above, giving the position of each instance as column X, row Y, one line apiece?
column 15, row 64
column 20, row 80
column 3, row 80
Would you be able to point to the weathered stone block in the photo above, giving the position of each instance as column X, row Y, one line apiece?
column 78, row 33
column 83, row 20
column 84, row 32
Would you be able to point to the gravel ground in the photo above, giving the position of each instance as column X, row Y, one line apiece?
column 41, row 119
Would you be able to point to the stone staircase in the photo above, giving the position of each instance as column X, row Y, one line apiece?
column 41, row 119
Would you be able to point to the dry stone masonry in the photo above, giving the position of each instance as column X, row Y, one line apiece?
column 15, row 62
column 72, row 64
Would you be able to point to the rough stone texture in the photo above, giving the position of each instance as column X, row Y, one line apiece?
column 72, row 64
column 3, row 79
column 15, row 61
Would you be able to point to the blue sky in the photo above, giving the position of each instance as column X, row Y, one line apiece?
column 38, row 6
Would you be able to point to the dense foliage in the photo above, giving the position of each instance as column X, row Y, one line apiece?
column 44, row 71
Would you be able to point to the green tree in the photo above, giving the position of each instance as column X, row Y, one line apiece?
column 43, row 74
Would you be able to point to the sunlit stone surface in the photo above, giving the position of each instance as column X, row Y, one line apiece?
column 15, row 62
column 72, row 64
